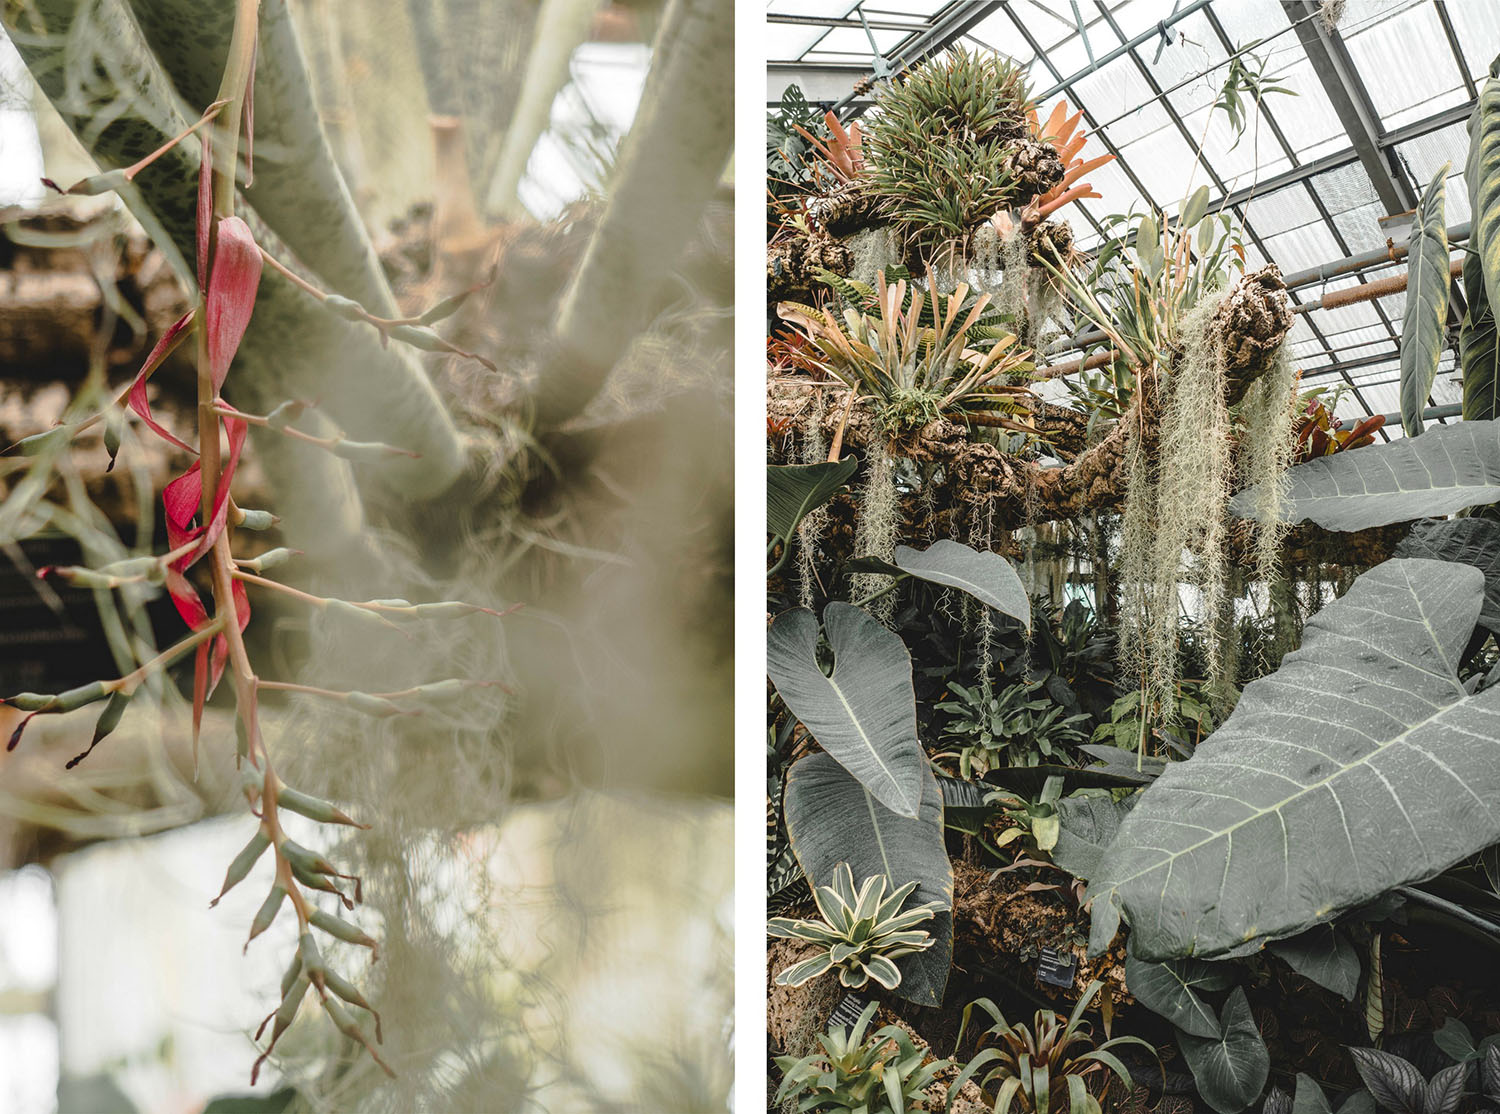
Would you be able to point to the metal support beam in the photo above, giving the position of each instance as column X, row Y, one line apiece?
column 951, row 23
column 820, row 82
column 832, row 21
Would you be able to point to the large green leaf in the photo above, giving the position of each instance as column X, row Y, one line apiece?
column 792, row 490
column 1450, row 468
column 832, row 819
column 1087, row 825
column 1171, row 989
column 1230, row 1068
column 1482, row 173
column 1477, row 347
column 1470, row 541
column 1424, row 329
column 865, row 713
column 1325, row 956
column 986, row 576
column 1360, row 765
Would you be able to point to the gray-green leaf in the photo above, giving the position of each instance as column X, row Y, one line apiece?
column 1230, row 1069
column 986, row 576
column 1448, row 469
column 865, row 713
column 832, row 819
column 792, row 490
column 1424, row 328
column 1470, row 541
column 1323, row 955
column 1360, row 765
column 1171, row 990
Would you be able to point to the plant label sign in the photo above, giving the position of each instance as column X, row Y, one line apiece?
column 847, row 1012
column 1057, row 968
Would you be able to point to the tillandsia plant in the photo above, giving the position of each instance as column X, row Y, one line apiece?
column 883, row 1074
column 914, row 372
column 1067, row 139
column 1047, row 1067
column 863, row 933
column 201, row 519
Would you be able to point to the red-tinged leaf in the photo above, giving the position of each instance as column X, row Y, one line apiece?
column 186, row 599
column 182, row 498
column 200, row 696
column 232, row 284
column 15, row 736
column 138, row 401
column 205, row 206
column 221, row 644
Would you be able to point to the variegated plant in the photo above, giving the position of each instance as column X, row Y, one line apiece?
column 862, row 933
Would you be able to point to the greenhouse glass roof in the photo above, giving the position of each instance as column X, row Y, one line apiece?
column 1382, row 100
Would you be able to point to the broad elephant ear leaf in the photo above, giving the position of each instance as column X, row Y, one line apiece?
column 1469, row 541
column 865, row 713
column 1088, row 826
column 792, row 490
column 1358, row 766
column 832, row 819
column 1424, row 328
column 1231, row 1068
column 1447, row 469
column 1323, row 955
column 986, row 576
column 1171, row 990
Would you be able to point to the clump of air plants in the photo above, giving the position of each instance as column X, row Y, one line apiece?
column 1267, row 447
column 950, row 146
column 815, row 522
column 1193, row 487
column 872, row 252
column 875, row 533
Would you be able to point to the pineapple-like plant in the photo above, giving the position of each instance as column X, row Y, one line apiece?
column 951, row 146
column 861, row 934
column 1048, row 1066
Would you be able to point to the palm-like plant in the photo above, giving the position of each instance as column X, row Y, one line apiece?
column 1044, row 1068
column 881, row 1075
column 915, row 371
column 861, row 934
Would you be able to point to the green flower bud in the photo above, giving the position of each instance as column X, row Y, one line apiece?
column 267, row 912
column 242, row 863
column 258, row 520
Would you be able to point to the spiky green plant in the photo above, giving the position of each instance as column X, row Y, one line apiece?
column 1046, row 1067
column 881, row 1075
column 862, row 933
column 1139, row 289
column 915, row 371
column 942, row 147
column 1020, row 725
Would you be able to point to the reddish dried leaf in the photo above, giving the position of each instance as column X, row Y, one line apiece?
column 230, row 301
column 138, row 401
column 205, row 205
column 182, row 498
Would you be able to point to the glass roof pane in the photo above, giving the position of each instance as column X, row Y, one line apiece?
column 1119, row 97
column 1477, row 28
column 1406, row 65
column 789, row 41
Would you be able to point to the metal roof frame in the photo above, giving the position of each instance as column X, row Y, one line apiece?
column 1372, row 146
